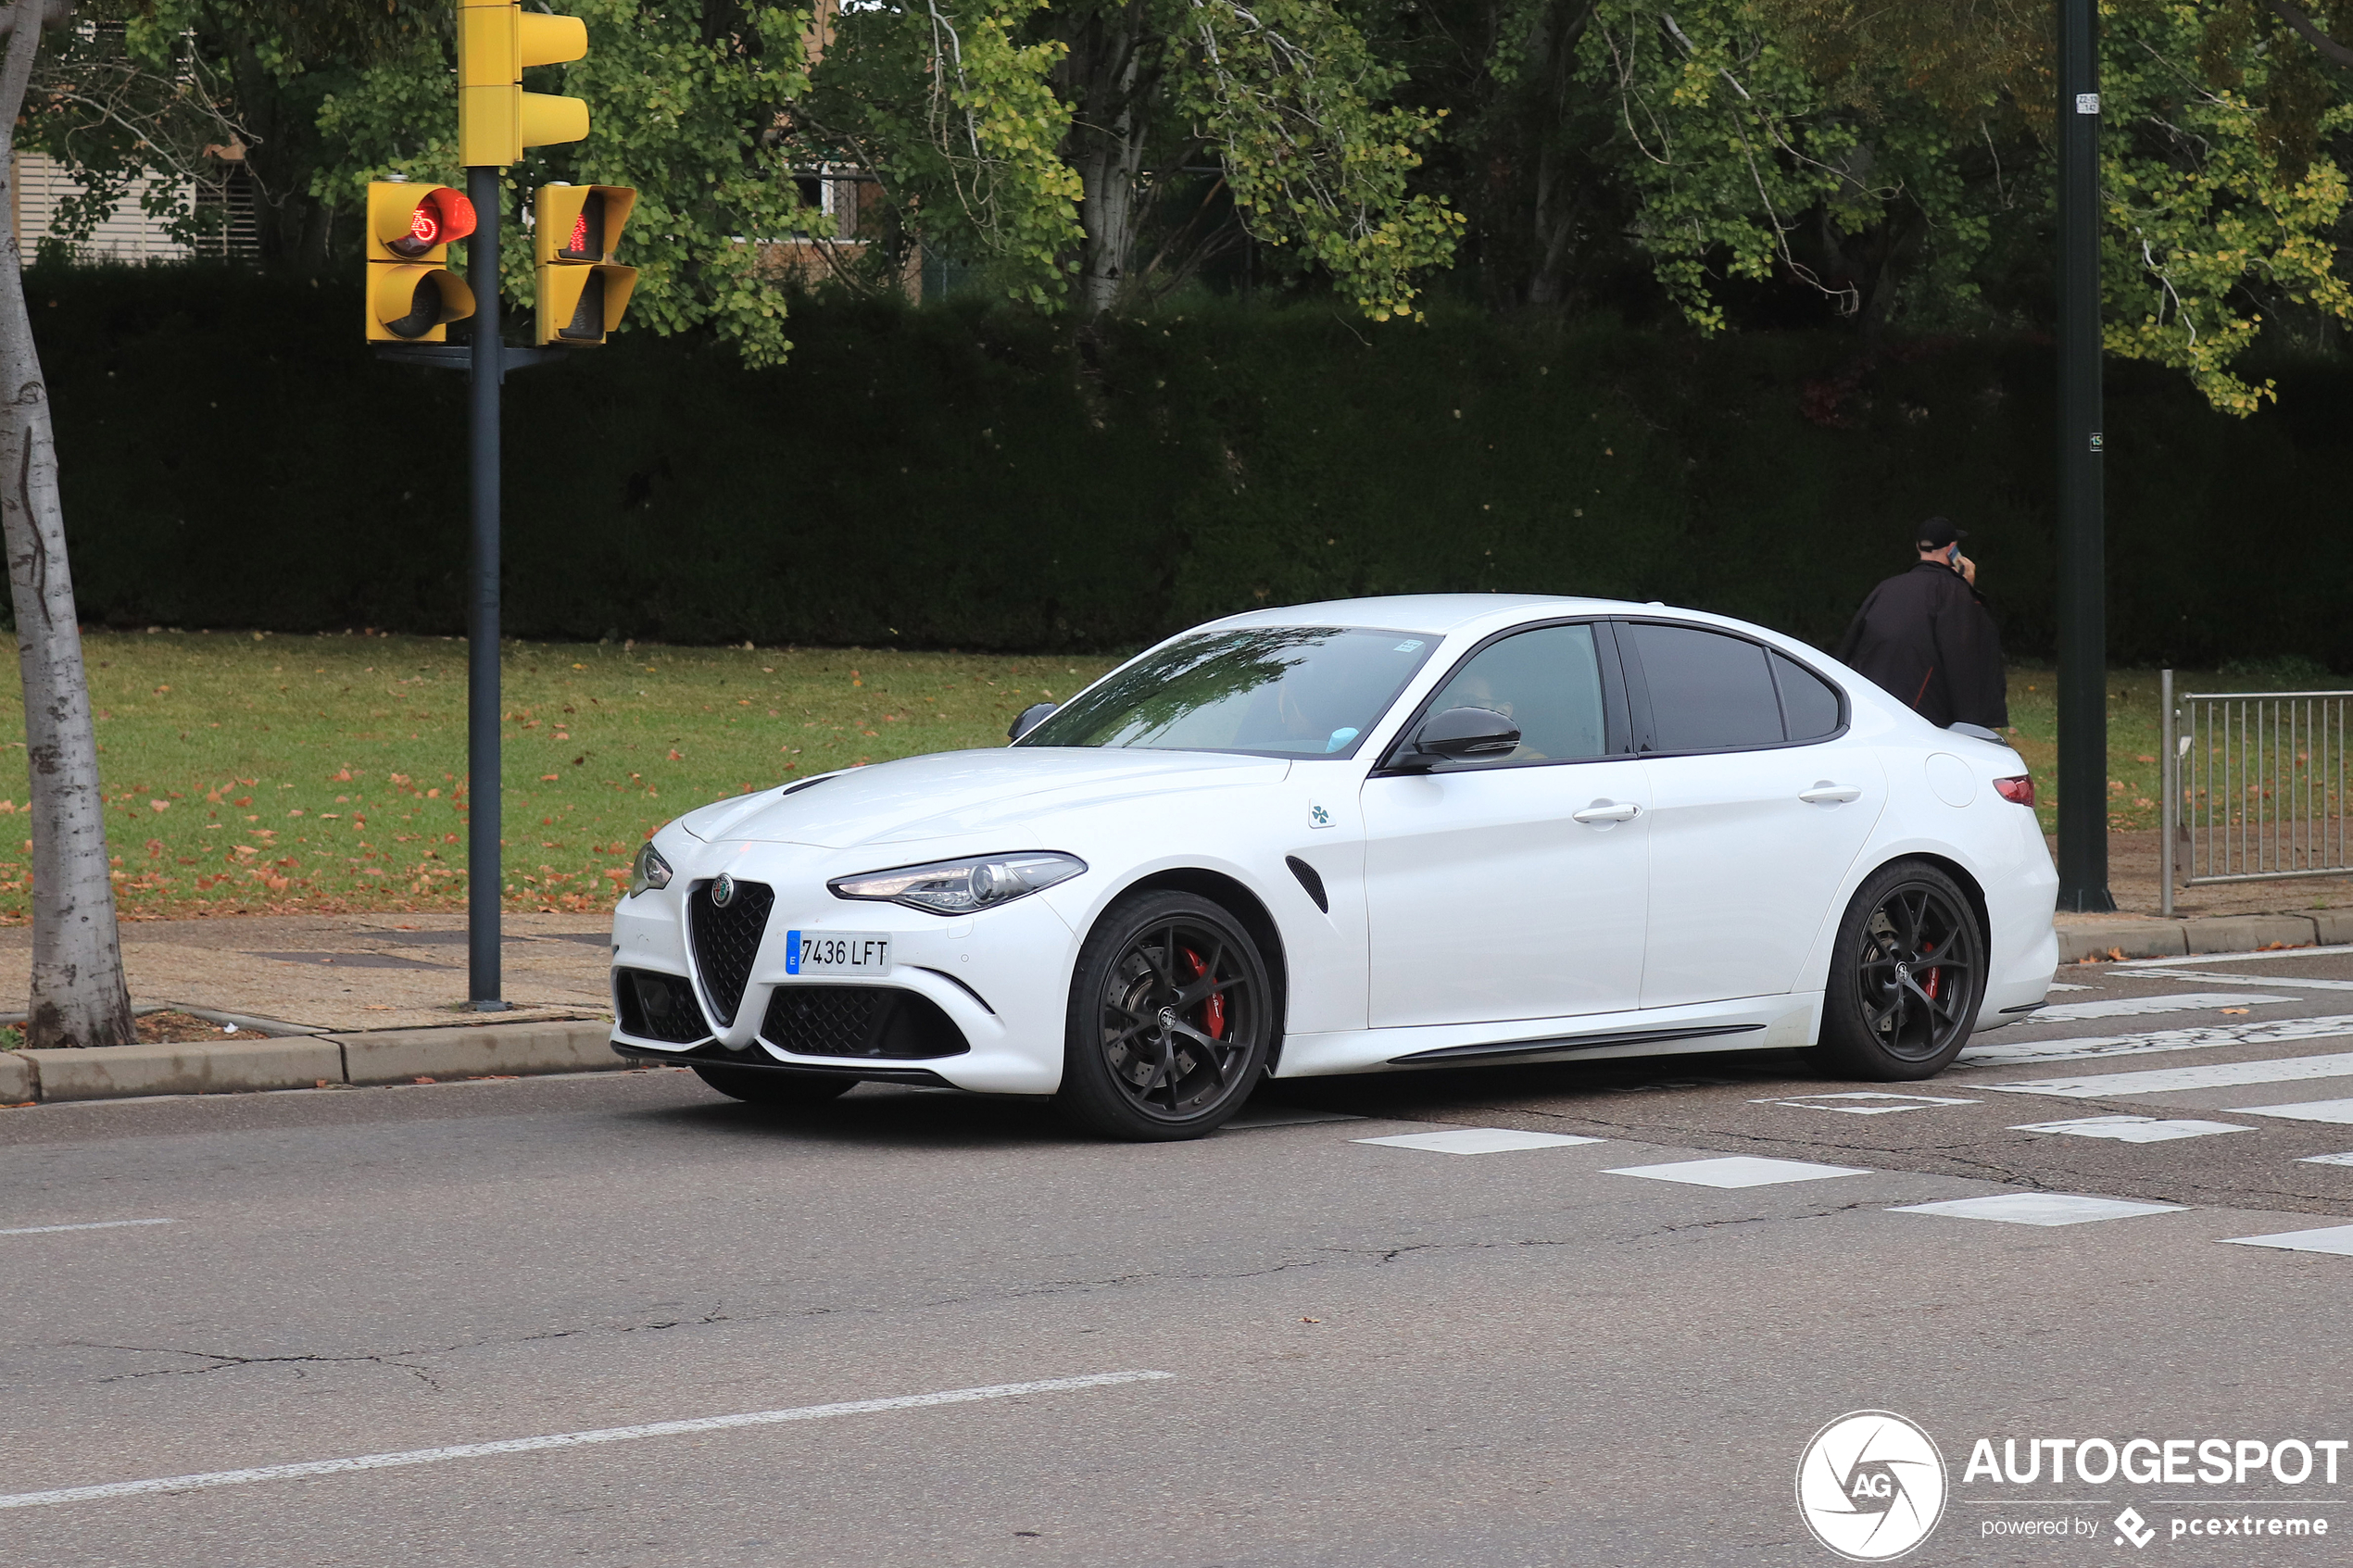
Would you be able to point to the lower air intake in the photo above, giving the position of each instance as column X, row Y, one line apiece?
column 874, row 1022
column 658, row 1007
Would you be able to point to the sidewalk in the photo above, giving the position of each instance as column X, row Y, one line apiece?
column 2229, row 918
column 347, row 972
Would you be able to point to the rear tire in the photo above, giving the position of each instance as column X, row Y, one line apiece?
column 1906, row 979
column 1171, row 1016
column 784, row 1091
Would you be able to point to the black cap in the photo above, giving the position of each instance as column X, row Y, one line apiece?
column 1937, row 532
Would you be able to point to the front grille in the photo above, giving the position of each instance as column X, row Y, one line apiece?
column 658, row 1007
column 727, row 940
column 860, row 1021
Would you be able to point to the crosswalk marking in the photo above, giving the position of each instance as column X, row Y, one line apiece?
column 1477, row 1140
column 2165, row 1080
column 2132, row 1129
column 1738, row 1171
column 2237, row 957
column 2084, row 1047
column 2212, row 979
column 2039, row 1209
column 2337, row 1111
column 1882, row 1102
column 2326, row 1160
column 2329, row 1238
column 2172, row 1001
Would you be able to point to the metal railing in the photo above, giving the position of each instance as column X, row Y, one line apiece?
column 2255, row 786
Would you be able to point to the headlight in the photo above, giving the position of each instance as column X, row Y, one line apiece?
column 651, row 870
column 957, row 887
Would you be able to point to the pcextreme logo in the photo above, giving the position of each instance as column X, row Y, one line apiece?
column 1871, row 1486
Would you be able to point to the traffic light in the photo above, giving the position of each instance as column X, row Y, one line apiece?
column 411, row 296
column 582, row 293
column 496, row 119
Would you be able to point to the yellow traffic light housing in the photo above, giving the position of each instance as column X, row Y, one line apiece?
column 579, row 304
column 496, row 119
column 575, row 230
column 574, row 224
column 411, row 296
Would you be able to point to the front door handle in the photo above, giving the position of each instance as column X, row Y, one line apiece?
column 1825, row 793
column 1607, row 812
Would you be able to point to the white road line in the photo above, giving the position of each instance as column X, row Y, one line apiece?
column 2165, row 1080
column 2038, row 1208
column 2133, row 1129
column 2332, row 1239
column 85, row 1225
column 2083, row 1048
column 2237, row 957
column 1478, row 1140
column 2337, row 1111
column 2213, row 979
column 2132, row 1007
column 2326, row 1160
column 1846, row 1097
column 1738, row 1171
column 565, row 1440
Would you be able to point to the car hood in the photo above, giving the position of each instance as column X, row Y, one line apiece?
column 959, row 792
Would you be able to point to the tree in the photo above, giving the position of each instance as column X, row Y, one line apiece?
column 78, row 996
column 1046, row 142
column 1871, row 154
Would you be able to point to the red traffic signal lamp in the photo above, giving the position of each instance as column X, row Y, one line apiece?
column 413, row 296
column 583, row 293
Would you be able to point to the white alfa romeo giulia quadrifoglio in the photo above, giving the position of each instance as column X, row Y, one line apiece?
column 1378, row 834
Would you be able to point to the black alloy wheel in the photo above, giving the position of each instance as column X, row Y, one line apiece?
column 1906, row 978
column 780, row 1090
column 1170, row 1020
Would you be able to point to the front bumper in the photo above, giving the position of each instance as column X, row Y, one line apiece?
column 1000, row 978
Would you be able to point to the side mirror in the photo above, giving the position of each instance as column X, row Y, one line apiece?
column 1467, row 732
column 1030, row 718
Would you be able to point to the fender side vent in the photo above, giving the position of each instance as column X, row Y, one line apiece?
column 1310, row 881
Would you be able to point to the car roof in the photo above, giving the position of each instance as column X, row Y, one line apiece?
column 1434, row 613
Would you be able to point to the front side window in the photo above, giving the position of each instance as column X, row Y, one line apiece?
column 1268, row 691
column 1548, row 682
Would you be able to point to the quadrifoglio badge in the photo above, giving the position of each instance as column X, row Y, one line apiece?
column 1871, row 1485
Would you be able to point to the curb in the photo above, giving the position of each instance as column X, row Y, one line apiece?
column 309, row 1060
column 2096, row 941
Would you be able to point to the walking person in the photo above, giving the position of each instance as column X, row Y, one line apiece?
column 1926, row 638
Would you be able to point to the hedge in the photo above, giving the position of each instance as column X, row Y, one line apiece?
column 960, row 476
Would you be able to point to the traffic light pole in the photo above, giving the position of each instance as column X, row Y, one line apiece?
column 484, row 877
column 2083, row 587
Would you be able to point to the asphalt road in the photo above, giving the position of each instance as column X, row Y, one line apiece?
column 1374, row 1354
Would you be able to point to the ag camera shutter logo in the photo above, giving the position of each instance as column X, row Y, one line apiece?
column 1871, row 1486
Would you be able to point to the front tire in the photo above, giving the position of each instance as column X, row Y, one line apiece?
column 782, row 1091
column 1171, row 1017
column 1905, row 977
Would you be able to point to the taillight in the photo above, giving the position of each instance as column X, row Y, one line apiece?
column 2019, row 791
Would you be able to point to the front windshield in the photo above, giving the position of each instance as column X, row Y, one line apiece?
column 1269, row 691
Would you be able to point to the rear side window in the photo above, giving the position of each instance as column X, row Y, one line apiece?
column 1809, row 704
column 1707, row 692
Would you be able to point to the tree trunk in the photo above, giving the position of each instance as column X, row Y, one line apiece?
column 78, row 996
column 1111, row 110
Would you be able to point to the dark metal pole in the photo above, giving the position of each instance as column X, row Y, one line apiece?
column 483, row 871
column 2083, row 587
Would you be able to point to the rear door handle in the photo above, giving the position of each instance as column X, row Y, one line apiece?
column 1828, row 794
column 1607, row 812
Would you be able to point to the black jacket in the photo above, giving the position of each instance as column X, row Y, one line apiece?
column 1927, row 638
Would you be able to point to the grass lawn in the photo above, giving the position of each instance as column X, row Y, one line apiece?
column 262, row 773
column 266, row 775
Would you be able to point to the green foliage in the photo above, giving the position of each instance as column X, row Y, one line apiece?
column 948, row 477
column 955, row 113
column 1292, row 97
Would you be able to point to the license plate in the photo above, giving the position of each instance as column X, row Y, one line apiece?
column 836, row 952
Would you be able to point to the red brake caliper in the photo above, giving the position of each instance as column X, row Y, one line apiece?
column 1933, row 975
column 1214, row 1009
